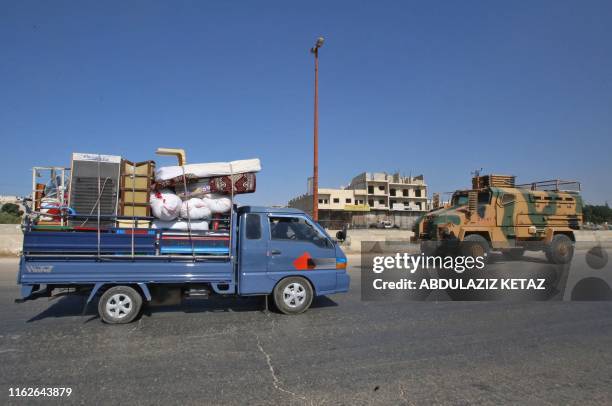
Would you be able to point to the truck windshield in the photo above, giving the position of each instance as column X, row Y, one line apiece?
column 462, row 198
column 459, row 200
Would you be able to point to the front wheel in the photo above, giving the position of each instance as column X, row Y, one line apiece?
column 119, row 305
column 293, row 295
column 475, row 245
column 561, row 250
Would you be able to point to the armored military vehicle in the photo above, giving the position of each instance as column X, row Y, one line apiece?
column 498, row 215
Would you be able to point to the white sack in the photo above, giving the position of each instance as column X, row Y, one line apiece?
column 208, row 170
column 196, row 225
column 165, row 205
column 195, row 209
column 217, row 203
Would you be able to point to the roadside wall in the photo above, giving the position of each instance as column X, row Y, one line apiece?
column 355, row 237
column 11, row 239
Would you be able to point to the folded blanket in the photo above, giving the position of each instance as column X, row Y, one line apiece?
column 243, row 183
column 208, row 170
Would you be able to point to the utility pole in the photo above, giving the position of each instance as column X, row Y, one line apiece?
column 315, row 177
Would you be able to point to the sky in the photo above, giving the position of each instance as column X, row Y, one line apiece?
column 439, row 88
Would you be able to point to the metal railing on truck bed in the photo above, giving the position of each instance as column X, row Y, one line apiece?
column 62, row 242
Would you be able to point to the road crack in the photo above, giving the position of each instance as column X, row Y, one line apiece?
column 275, row 380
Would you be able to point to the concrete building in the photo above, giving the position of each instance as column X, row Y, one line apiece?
column 370, row 200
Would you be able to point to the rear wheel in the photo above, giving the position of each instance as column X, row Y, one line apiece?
column 293, row 295
column 119, row 305
column 560, row 250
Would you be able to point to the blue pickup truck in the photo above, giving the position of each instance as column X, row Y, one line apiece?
column 278, row 253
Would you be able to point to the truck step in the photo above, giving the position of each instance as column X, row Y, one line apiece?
column 201, row 293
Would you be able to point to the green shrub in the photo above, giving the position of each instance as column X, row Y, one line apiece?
column 8, row 218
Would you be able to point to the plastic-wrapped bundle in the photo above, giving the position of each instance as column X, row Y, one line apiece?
column 217, row 203
column 197, row 225
column 165, row 205
column 195, row 209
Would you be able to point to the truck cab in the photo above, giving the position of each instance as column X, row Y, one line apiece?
column 279, row 243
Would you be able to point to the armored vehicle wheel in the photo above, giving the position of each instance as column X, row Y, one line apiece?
column 475, row 245
column 293, row 295
column 560, row 250
column 119, row 305
column 514, row 254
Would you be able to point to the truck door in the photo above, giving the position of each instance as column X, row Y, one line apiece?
column 253, row 254
column 298, row 247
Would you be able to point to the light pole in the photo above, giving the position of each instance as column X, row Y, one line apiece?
column 315, row 175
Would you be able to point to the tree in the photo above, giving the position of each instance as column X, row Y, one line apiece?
column 597, row 214
column 11, row 208
column 10, row 214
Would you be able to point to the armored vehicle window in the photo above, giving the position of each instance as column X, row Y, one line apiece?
column 508, row 198
column 484, row 197
column 460, row 200
column 253, row 227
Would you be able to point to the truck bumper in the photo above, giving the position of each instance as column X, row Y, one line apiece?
column 343, row 281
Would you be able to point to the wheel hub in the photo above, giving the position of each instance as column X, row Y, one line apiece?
column 118, row 306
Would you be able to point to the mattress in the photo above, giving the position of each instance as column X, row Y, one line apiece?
column 208, row 170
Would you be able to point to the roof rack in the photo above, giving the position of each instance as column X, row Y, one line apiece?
column 553, row 185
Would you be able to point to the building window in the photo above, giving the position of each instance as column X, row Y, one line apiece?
column 370, row 189
column 419, row 205
column 405, row 192
column 349, row 201
column 392, row 192
column 417, row 192
column 382, row 188
column 336, row 200
column 371, row 202
column 381, row 201
column 320, row 201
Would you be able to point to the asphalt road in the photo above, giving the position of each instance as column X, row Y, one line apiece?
column 342, row 351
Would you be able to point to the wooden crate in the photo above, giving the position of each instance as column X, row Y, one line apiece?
column 133, row 223
column 136, row 179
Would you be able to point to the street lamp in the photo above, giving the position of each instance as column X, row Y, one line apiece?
column 315, row 177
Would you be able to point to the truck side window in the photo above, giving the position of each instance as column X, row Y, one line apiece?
column 253, row 226
column 507, row 198
column 296, row 229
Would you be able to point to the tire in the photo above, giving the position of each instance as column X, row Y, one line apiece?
column 475, row 245
column 119, row 305
column 561, row 250
column 514, row 254
column 293, row 295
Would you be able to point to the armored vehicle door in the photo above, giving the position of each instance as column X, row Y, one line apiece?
column 507, row 213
